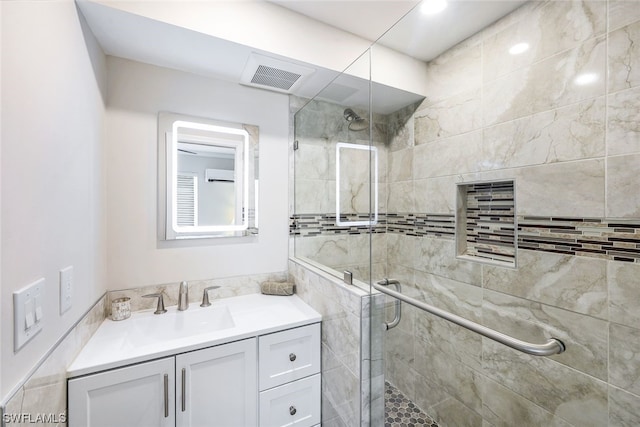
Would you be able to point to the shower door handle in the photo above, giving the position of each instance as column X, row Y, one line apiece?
column 397, row 307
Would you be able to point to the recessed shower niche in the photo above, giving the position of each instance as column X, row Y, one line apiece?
column 486, row 229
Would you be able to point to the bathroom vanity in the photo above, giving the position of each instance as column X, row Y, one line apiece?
column 251, row 360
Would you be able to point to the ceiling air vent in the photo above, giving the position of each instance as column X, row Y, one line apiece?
column 274, row 77
column 273, row 74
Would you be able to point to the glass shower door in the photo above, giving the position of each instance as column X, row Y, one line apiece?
column 333, row 208
column 331, row 230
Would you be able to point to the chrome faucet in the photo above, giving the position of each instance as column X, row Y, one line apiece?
column 160, row 308
column 205, row 296
column 183, row 297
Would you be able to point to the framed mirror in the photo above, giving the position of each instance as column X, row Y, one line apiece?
column 208, row 180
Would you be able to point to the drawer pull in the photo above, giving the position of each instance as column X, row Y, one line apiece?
column 166, row 395
column 292, row 357
column 184, row 389
column 292, row 410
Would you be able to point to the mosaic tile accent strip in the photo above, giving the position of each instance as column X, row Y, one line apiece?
column 421, row 224
column 439, row 225
column 325, row 224
column 617, row 240
column 488, row 231
column 591, row 237
column 400, row 411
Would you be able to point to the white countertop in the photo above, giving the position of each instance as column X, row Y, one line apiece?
column 145, row 336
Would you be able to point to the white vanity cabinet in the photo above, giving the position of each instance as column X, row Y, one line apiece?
column 289, row 377
column 215, row 386
column 247, row 361
column 133, row 396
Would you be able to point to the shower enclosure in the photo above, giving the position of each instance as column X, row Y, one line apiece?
column 495, row 182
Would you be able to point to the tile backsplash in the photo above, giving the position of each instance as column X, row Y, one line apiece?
column 228, row 287
column 43, row 395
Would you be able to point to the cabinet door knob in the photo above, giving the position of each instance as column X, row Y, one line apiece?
column 292, row 357
column 292, row 410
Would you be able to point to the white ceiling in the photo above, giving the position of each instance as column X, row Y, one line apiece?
column 417, row 35
column 368, row 19
column 146, row 40
column 135, row 37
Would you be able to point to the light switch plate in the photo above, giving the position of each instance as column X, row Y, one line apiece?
column 25, row 305
column 66, row 289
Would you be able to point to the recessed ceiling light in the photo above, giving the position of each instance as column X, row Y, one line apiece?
column 585, row 79
column 431, row 7
column 519, row 48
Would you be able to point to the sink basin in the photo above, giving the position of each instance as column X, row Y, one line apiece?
column 174, row 325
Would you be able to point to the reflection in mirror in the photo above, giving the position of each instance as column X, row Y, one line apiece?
column 210, row 177
column 350, row 179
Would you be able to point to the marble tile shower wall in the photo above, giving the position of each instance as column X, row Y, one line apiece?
column 341, row 310
column 574, row 152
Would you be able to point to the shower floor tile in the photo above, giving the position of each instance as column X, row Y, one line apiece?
column 401, row 412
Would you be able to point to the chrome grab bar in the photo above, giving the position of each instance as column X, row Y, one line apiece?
column 397, row 309
column 551, row 347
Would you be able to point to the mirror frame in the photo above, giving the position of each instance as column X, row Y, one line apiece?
column 169, row 136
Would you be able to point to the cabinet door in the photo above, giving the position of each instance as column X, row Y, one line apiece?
column 138, row 395
column 217, row 386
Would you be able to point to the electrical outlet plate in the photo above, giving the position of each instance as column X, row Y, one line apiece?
column 66, row 289
column 27, row 313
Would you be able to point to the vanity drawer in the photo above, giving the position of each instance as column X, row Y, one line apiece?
column 289, row 355
column 294, row 404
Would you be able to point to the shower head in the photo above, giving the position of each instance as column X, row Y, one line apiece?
column 356, row 123
column 351, row 115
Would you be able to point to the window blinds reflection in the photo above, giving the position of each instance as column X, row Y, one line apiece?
column 187, row 200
